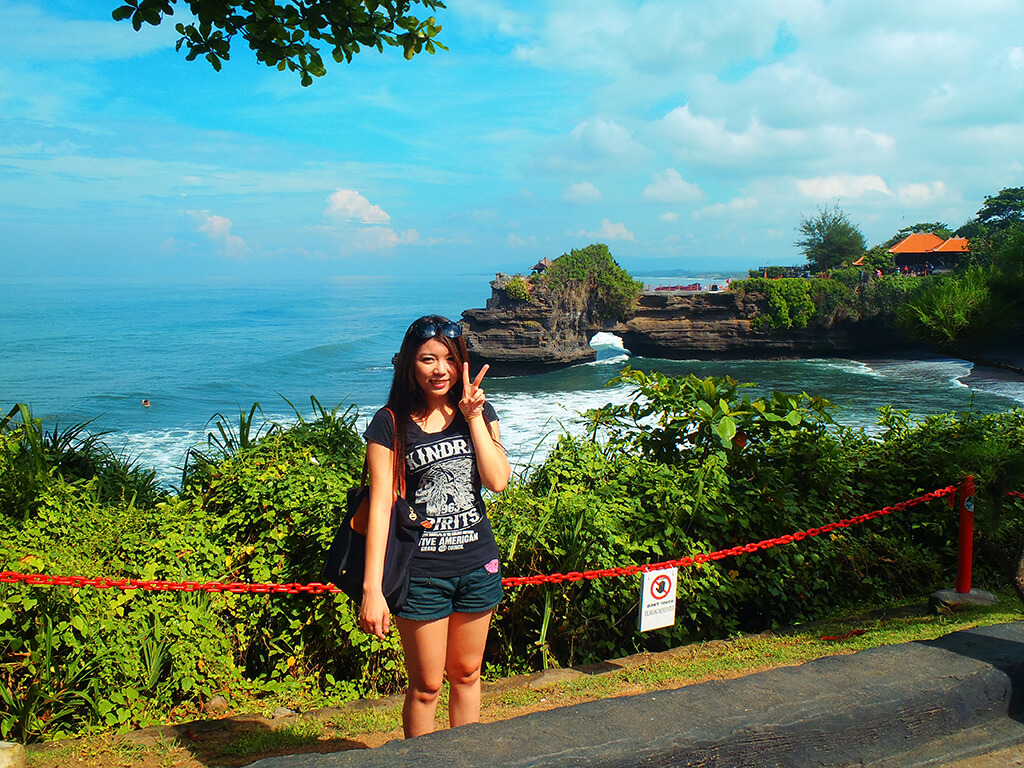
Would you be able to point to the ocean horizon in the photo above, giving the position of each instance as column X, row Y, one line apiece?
column 80, row 351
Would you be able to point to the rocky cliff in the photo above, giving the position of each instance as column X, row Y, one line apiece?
column 718, row 325
column 553, row 329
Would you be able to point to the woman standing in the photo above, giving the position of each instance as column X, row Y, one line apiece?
column 448, row 435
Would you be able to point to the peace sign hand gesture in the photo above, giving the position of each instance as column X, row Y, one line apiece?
column 472, row 402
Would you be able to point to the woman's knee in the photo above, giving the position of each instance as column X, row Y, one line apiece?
column 463, row 674
column 426, row 683
column 424, row 692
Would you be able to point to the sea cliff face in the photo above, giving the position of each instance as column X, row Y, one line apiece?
column 516, row 336
column 719, row 325
column 552, row 330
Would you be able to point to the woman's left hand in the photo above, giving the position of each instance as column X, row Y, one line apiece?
column 472, row 402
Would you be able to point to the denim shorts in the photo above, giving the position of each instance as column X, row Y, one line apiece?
column 434, row 597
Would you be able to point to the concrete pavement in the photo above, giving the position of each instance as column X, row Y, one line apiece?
column 914, row 705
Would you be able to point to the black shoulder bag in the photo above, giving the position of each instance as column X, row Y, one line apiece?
column 346, row 558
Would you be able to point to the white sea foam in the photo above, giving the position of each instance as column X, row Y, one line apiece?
column 1011, row 389
column 616, row 360
column 162, row 450
column 610, row 340
column 939, row 371
column 993, row 381
column 856, row 367
column 531, row 423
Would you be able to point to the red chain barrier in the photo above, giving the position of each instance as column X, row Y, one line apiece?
column 316, row 588
column 686, row 562
column 238, row 587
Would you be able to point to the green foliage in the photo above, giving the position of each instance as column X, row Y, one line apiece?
column 696, row 465
column 32, row 459
column 834, row 300
column 936, row 228
column 687, row 466
column 1003, row 210
column 788, row 301
column 287, row 36
column 953, row 308
column 884, row 294
column 264, row 513
column 593, row 268
column 1008, row 254
column 830, row 239
column 878, row 259
column 848, row 294
column 518, row 288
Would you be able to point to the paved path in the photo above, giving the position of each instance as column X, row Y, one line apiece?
column 1013, row 757
column 917, row 705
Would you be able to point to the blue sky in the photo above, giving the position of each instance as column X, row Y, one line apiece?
column 686, row 135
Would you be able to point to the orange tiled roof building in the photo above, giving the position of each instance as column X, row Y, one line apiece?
column 925, row 248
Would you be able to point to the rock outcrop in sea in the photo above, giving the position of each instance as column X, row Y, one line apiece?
column 550, row 330
column 553, row 328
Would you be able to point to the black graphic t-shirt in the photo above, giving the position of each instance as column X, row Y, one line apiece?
column 442, row 482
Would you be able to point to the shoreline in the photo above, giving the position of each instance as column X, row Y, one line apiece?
column 1009, row 369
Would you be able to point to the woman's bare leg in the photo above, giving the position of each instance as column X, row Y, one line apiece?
column 424, row 644
column 467, row 635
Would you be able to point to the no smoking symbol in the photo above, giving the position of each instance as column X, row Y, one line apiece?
column 660, row 587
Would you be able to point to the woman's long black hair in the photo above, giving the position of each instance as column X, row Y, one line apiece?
column 406, row 397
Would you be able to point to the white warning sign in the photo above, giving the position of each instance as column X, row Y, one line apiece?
column 658, row 599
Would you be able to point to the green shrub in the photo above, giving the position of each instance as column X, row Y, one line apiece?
column 32, row 458
column 882, row 295
column 950, row 308
column 693, row 465
column 834, row 301
column 594, row 268
column 687, row 466
column 788, row 299
column 264, row 513
column 519, row 289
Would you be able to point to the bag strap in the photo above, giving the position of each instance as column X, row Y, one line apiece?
column 398, row 471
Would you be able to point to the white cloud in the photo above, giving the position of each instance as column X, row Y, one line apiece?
column 515, row 241
column 381, row 238
column 29, row 33
column 919, row 194
column 668, row 216
column 735, row 206
column 349, row 204
column 218, row 230
column 708, row 140
column 1015, row 59
column 670, row 187
column 582, row 192
column 845, row 139
column 615, row 38
column 841, row 186
column 594, row 144
column 608, row 231
column 492, row 14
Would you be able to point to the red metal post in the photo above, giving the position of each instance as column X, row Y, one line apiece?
column 965, row 548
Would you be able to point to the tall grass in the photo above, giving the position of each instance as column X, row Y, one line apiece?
column 32, row 458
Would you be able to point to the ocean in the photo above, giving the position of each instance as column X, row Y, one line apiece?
column 79, row 352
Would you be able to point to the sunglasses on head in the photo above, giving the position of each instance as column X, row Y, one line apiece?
column 425, row 329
